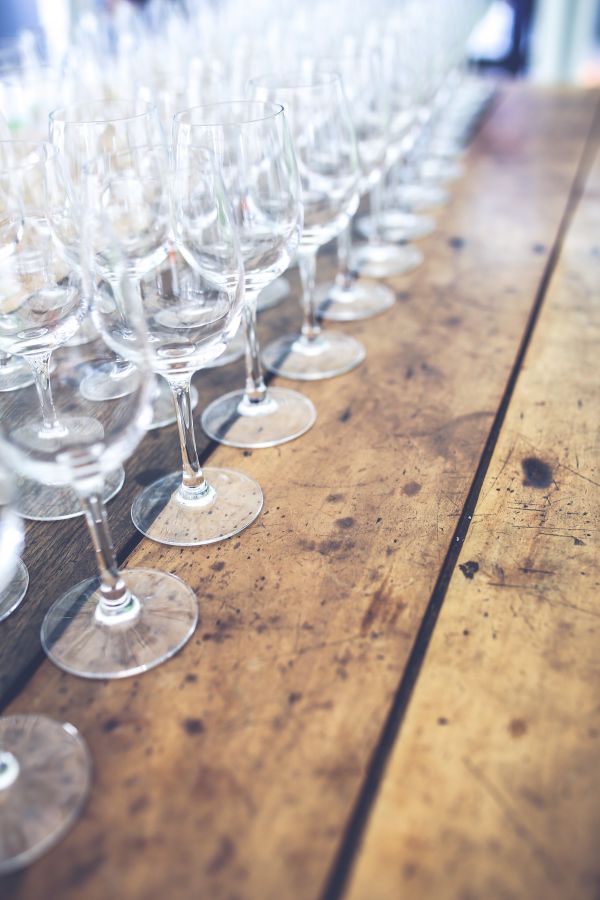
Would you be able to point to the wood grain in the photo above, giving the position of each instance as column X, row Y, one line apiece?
column 230, row 772
column 492, row 787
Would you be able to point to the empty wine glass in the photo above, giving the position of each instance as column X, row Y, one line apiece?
column 253, row 147
column 192, row 305
column 44, row 765
column 120, row 623
column 81, row 132
column 325, row 146
column 41, row 307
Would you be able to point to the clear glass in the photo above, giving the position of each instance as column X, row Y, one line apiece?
column 325, row 145
column 189, row 277
column 253, row 147
column 82, row 132
column 13, row 574
column 42, row 305
column 119, row 623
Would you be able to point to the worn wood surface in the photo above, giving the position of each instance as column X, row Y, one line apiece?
column 231, row 771
column 492, row 787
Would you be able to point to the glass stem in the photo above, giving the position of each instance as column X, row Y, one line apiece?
column 376, row 203
column 307, row 263
column 344, row 249
column 194, row 486
column 256, row 389
column 115, row 597
column 40, row 366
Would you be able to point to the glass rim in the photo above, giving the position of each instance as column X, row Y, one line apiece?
column 58, row 114
column 295, row 80
column 276, row 109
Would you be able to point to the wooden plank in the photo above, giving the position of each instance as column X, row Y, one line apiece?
column 492, row 787
column 230, row 772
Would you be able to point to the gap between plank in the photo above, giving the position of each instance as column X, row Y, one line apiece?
column 341, row 869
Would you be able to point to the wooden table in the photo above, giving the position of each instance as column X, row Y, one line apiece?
column 394, row 688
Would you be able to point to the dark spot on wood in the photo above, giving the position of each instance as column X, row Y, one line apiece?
column 403, row 296
column 191, row 678
column 346, row 522
column 247, row 453
column 453, row 321
column 537, row 473
column 469, row 568
column 517, row 727
column 539, row 249
column 223, row 855
column 294, row 697
column 326, row 547
column 344, row 416
column 578, row 543
column 442, row 720
column 409, row 870
column 148, row 476
column 409, row 372
column 334, row 498
column 83, row 870
column 111, row 724
column 466, row 632
column 376, row 606
column 378, row 520
column 218, row 566
column 193, row 726
column 457, row 243
column 412, row 488
column 138, row 805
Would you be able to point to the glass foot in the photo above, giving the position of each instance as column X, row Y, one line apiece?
column 328, row 355
column 109, row 382
column 398, row 227
column 15, row 590
column 232, row 503
column 282, row 416
column 274, row 293
column 419, row 197
column 163, row 408
column 386, row 260
column 45, row 772
column 51, row 502
column 235, row 350
column 14, row 374
column 360, row 300
column 161, row 620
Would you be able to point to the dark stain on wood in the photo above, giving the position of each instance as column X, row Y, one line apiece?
column 411, row 488
column 456, row 242
column 409, row 372
column 294, row 697
column 469, row 568
column 111, row 724
column 376, row 606
column 223, row 855
column 334, row 498
column 84, row 870
column 191, row 678
column 193, row 726
column 346, row 522
column 536, row 472
column 218, row 566
column 517, row 727
column 345, row 415
column 442, row 720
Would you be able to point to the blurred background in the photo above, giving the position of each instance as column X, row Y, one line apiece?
column 548, row 41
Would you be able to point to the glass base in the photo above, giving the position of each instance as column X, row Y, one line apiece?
column 419, row 197
column 161, row 620
column 14, row 374
column 109, row 381
column 360, row 300
column 398, row 227
column 163, row 408
column 50, row 502
column 233, row 502
column 386, row 260
column 328, row 355
column 45, row 773
column 282, row 416
column 235, row 350
column 15, row 590
column 274, row 293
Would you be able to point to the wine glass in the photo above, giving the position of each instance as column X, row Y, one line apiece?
column 192, row 304
column 325, row 146
column 119, row 623
column 44, row 765
column 350, row 297
column 41, row 307
column 81, row 132
column 253, row 146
